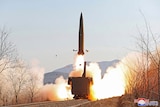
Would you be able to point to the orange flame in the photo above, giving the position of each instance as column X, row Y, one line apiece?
column 112, row 83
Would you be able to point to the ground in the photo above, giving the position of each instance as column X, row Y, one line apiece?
column 111, row 102
column 122, row 101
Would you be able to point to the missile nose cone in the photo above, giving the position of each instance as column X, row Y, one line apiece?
column 81, row 24
column 81, row 16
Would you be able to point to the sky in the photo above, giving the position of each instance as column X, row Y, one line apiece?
column 47, row 30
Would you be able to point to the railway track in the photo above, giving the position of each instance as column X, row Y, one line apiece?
column 67, row 103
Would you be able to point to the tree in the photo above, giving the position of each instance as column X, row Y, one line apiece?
column 147, row 83
column 7, row 57
column 35, row 81
column 134, row 72
column 7, row 51
column 151, row 51
column 32, row 86
column 18, row 79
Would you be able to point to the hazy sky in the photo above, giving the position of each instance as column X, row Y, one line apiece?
column 47, row 30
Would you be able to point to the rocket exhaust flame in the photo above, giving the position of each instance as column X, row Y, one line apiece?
column 79, row 62
column 98, row 89
column 112, row 83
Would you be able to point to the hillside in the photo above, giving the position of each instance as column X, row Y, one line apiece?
column 64, row 71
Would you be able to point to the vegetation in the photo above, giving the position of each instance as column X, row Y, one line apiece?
column 143, row 74
column 18, row 83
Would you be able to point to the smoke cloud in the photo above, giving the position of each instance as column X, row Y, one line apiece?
column 112, row 83
column 57, row 92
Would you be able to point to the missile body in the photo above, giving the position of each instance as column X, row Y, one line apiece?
column 81, row 37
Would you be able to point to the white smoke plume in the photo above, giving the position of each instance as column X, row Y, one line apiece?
column 112, row 83
column 109, row 85
column 57, row 92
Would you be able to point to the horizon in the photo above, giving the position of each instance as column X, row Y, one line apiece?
column 87, row 63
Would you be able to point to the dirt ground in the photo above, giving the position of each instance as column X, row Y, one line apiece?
column 122, row 101
column 111, row 102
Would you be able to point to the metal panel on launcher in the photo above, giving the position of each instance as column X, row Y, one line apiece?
column 80, row 86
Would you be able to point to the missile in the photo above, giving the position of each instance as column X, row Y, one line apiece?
column 81, row 37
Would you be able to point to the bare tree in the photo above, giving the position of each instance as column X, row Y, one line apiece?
column 35, row 82
column 7, row 51
column 7, row 57
column 16, row 82
column 32, row 87
column 145, row 80
column 134, row 72
column 18, row 79
column 151, row 51
column 148, row 73
column 5, row 93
